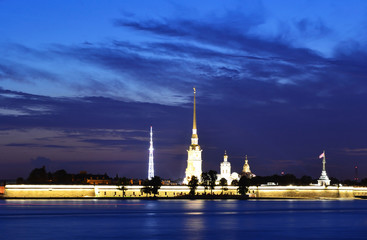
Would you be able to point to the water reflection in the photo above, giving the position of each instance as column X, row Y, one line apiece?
column 183, row 219
column 194, row 204
column 194, row 227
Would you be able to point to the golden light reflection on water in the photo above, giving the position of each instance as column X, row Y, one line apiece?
column 194, row 205
column 194, row 213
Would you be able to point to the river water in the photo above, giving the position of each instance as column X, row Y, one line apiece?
column 183, row 219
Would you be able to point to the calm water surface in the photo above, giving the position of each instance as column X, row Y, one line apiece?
column 182, row 219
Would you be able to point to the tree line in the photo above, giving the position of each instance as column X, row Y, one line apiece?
column 41, row 176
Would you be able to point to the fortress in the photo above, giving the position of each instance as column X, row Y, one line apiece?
column 194, row 168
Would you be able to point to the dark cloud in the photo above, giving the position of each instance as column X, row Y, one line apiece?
column 313, row 29
column 112, row 142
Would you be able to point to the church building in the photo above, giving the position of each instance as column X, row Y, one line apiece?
column 225, row 171
column 246, row 170
column 194, row 161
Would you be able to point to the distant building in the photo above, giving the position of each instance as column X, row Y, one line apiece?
column 96, row 179
column 225, row 171
column 194, row 161
column 99, row 181
column 246, row 170
column 168, row 182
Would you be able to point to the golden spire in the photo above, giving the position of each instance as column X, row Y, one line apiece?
column 194, row 137
column 194, row 121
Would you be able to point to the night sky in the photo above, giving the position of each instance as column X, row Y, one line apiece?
column 81, row 82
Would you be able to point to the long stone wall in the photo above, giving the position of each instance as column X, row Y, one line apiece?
column 164, row 191
column 110, row 191
column 49, row 191
column 314, row 192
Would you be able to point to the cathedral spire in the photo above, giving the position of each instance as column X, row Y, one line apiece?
column 194, row 161
column 194, row 116
column 194, row 137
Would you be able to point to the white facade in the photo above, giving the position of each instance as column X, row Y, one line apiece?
column 194, row 161
column 225, row 171
column 225, row 167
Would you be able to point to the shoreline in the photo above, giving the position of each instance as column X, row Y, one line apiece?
column 180, row 192
column 241, row 198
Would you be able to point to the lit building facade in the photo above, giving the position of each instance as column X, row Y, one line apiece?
column 194, row 161
column 225, row 171
column 246, row 170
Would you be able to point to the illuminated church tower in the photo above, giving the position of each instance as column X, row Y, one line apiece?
column 194, row 161
column 151, row 163
column 246, row 170
column 225, row 168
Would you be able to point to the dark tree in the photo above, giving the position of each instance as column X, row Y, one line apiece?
column 213, row 179
column 38, row 176
column 122, row 182
column 243, row 185
column 20, row 180
column 193, row 184
column 156, row 184
column 147, row 189
column 334, row 180
column 223, row 183
column 305, row 180
column 234, row 182
column 288, row 179
column 205, row 181
column 349, row 182
column 61, row 177
column 364, row 182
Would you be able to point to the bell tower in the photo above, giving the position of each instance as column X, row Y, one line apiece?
column 194, row 161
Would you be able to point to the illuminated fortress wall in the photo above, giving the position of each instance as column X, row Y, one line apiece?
column 302, row 192
column 49, row 191
column 102, row 191
column 164, row 191
column 110, row 191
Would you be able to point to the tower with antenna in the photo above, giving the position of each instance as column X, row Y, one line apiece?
column 356, row 173
column 151, row 162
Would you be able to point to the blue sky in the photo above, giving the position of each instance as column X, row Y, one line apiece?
column 82, row 81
